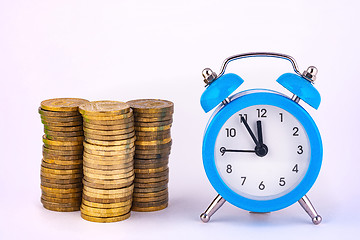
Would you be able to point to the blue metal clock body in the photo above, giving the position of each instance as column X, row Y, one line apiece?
column 243, row 100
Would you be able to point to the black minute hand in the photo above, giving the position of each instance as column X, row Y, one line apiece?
column 224, row 150
column 250, row 132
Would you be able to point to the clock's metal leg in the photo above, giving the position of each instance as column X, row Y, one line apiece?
column 214, row 206
column 309, row 208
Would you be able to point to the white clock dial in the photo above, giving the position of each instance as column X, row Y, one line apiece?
column 273, row 172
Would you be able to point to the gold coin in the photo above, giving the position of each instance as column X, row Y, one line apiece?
column 61, row 200
column 151, row 170
column 98, row 164
column 154, row 115
column 108, row 185
column 151, row 185
column 47, row 113
column 62, row 195
column 61, row 176
column 109, row 138
column 152, row 174
column 152, row 199
column 109, row 160
column 105, row 219
column 150, row 194
column 118, row 181
column 48, row 125
column 118, row 153
column 154, row 142
column 50, row 133
column 60, row 181
column 109, row 122
column 51, row 156
column 152, row 156
column 149, row 209
column 152, row 138
column 62, row 209
column 151, row 106
column 60, row 204
column 102, row 200
column 61, row 167
column 103, row 213
column 124, row 190
column 152, row 124
column 71, row 139
column 108, row 118
column 76, row 128
column 152, row 129
column 157, row 148
column 108, row 167
column 107, row 196
column 109, row 127
column 129, row 145
column 149, row 190
column 62, row 104
column 152, row 135
column 143, row 164
column 109, row 132
column 60, row 190
column 58, row 171
column 151, row 180
column 61, row 119
column 148, row 119
column 164, row 151
column 60, row 152
column 64, row 148
column 100, row 108
column 107, row 172
column 106, row 205
column 65, row 186
column 149, row 204
column 110, row 177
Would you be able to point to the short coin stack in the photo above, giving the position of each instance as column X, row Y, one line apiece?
column 108, row 161
column 61, row 167
column 153, row 119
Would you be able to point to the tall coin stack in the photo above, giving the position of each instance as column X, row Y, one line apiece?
column 108, row 161
column 61, row 167
column 153, row 119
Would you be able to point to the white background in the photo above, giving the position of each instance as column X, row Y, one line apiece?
column 127, row 49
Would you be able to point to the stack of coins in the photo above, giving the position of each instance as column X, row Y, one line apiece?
column 108, row 161
column 153, row 119
column 61, row 167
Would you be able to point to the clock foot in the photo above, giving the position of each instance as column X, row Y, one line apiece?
column 310, row 210
column 214, row 206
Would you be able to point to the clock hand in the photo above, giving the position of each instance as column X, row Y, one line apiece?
column 259, row 130
column 260, row 150
column 250, row 132
column 223, row 150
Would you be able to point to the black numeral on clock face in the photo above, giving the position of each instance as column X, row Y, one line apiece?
column 295, row 168
column 296, row 131
column 282, row 181
column 243, row 116
column 262, row 185
column 300, row 149
column 229, row 168
column 261, row 113
column 230, row 132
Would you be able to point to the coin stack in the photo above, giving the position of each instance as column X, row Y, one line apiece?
column 108, row 161
column 153, row 119
column 61, row 167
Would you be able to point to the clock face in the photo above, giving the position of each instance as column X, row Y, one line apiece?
column 262, row 152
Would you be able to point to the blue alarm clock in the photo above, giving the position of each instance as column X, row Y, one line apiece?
column 262, row 151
